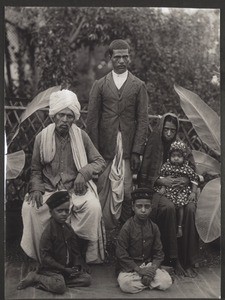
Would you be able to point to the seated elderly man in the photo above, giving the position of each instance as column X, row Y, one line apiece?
column 64, row 158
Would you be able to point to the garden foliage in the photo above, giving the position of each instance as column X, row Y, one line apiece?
column 167, row 47
column 207, row 125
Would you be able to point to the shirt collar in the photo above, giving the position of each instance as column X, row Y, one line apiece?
column 61, row 138
column 123, row 75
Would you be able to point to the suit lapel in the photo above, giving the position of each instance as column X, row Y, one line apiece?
column 127, row 85
column 127, row 90
column 111, row 84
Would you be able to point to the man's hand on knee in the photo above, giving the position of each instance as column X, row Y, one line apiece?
column 36, row 197
column 80, row 186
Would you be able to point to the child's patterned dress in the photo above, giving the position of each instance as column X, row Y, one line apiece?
column 178, row 196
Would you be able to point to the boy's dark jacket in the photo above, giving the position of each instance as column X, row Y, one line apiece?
column 138, row 243
column 59, row 248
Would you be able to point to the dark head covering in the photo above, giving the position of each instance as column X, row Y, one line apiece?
column 156, row 152
column 57, row 199
column 141, row 193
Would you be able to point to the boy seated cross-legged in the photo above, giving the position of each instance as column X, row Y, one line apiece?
column 61, row 262
column 139, row 249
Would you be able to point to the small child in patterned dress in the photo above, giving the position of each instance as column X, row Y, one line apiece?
column 177, row 166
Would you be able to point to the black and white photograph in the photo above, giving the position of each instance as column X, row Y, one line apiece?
column 112, row 146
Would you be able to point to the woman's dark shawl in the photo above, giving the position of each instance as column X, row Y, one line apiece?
column 154, row 154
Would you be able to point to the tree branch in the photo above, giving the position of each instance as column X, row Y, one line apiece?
column 75, row 34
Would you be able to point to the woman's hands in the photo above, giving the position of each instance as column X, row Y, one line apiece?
column 169, row 181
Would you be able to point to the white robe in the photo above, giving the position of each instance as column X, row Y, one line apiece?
column 86, row 214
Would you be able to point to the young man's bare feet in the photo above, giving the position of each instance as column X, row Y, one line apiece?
column 179, row 231
column 179, row 270
column 191, row 272
column 27, row 281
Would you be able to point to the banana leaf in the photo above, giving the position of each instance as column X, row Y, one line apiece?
column 14, row 164
column 205, row 164
column 40, row 101
column 208, row 213
column 205, row 121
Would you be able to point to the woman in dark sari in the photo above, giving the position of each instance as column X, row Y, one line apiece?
column 181, row 253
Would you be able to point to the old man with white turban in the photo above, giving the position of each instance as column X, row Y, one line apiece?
column 64, row 158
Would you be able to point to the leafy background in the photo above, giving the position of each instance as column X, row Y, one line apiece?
column 68, row 46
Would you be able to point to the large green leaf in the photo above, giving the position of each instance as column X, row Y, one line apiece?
column 40, row 101
column 208, row 213
column 205, row 164
column 205, row 121
column 14, row 164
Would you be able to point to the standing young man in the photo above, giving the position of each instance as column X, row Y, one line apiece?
column 117, row 124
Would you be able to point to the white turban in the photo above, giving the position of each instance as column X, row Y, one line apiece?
column 64, row 99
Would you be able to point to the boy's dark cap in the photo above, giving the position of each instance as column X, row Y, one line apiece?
column 142, row 193
column 57, row 199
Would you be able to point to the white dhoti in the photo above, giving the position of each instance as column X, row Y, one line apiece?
column 86, row 214
column 131, row 282
column 86, row 221
column 34, row 223
column 114, row 186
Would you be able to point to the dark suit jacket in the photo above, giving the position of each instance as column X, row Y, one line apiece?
column 109, row 112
